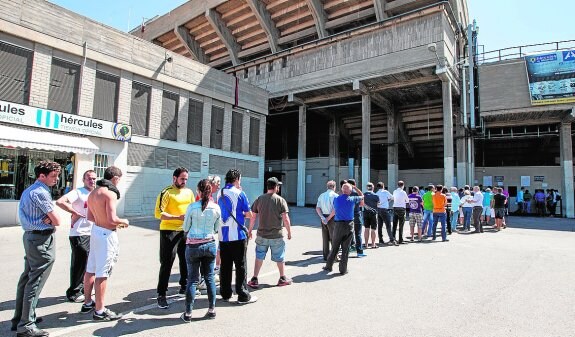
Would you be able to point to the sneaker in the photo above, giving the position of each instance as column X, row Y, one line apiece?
column 210, row 314
column 252, row 299
column 202, row 285
column 253, row 283
column 77, row 299
column 361, row 255
column 107, row 315
column 352, row 248
column 86, row 308
column 284, row 281
column 162, row 302
column 186, row 318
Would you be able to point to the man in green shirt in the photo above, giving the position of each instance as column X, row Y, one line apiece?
column 428, row 210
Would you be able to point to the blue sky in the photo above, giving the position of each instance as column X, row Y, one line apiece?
column 503, row 23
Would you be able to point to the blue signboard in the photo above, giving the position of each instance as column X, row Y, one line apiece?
column 551, row 77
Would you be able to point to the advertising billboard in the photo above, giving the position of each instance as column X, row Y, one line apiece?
column 551, row 77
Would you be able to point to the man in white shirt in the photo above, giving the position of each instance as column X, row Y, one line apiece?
column 324, row 208
column 383, row 212
column 76, row 203
column 400, row 200
column 477, row 202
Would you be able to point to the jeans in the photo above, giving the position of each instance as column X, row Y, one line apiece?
column 454, row 219
column 200, row 258
column 40, row 253
column 327, row 236
column 171, row 242
column 80, row 246
column 383, row 217
column 398, row 219
column 427, row 221
column 439, row 217
column 357, row 228
column 467, row 217
column 234, row 253
column 342, row 234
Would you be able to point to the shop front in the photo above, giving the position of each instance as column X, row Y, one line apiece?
column 31, row 135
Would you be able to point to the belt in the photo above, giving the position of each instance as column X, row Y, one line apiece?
column 477, row 206
column 43, row 231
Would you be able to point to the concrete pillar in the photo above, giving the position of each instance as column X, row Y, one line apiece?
column 227, row 133
column 125, row 98
column 40, row 82
column 392, row 150
column 87, row 88
column 471, row 161
column 207, row 122
column 461, row 154
column 334, row 160
column 448, row 160
column 155, row 110
column 184, row 108
column 365, row 141
column 301, row 156
column 567, row 169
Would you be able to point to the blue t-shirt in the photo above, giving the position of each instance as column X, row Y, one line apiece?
column 236, row 201
column 415, row 203
column 487, row 199
column 344, row 206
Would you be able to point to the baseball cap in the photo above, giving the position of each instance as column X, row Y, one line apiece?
column 273, row 182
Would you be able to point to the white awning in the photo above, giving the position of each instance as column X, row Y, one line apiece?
column 43, row 140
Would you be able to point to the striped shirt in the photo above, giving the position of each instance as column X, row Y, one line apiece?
column 204, row 224
column 35, row 204
column 325, row 201
column 233, row 201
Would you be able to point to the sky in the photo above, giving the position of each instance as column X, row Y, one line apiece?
column 502, row 23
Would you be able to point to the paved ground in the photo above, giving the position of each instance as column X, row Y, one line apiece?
column 518, row 282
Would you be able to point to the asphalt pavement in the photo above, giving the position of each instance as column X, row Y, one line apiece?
column 517, row 282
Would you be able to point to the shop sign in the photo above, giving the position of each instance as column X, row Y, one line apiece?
column 53, row 120
column 539, row 178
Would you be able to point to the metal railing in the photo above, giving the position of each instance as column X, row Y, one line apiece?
column 521, row 51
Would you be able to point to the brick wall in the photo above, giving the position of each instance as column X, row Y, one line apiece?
column 40, row 83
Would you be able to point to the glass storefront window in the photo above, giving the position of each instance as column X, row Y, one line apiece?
column 17, row 171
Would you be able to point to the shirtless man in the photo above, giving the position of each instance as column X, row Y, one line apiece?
column 104, row 245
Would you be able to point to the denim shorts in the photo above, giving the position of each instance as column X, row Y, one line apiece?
column 277, row 246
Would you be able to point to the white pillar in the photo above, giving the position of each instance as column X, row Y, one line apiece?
column 567, row 169
column 365, row 140
column 334, row 160
column 301, row 157
column 392, row 150
column 448, row 162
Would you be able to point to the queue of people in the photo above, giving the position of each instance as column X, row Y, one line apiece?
column 206, row 231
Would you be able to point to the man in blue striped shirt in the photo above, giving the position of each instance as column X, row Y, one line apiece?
column 38, row 220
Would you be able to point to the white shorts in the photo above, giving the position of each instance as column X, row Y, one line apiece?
column 104, row 249
column 486, row 211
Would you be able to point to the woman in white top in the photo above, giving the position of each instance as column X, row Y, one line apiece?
column 201, row 223
column 467, row 209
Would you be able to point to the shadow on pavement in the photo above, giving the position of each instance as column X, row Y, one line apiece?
column 306, row 262
column 131, row 326
column 309, row 278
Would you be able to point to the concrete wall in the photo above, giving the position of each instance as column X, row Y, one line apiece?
column 504, row 85
column 396, row 47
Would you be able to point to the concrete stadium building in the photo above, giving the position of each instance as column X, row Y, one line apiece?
column 377, row 90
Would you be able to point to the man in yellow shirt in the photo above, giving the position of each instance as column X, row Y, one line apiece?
column 171, row 207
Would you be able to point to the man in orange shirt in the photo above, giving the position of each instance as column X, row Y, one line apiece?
column 439, row 204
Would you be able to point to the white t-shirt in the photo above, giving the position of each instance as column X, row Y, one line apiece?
column 79, row 200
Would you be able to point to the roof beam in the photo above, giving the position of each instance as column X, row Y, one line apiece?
column 379, row 6
column 398, row 3
column 215, row 20
column 191, row 45
column 404, row 139
column 319, row 16
column 266, row 22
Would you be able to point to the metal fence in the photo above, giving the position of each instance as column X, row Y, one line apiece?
column 521, row 51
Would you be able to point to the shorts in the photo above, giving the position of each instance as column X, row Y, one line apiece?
column 416, row 219
column 499, row 213
column 277, row 246
column 486, row 211
column 104, row 249
column 370, row 220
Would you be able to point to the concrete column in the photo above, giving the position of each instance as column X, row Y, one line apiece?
column 87, row 88
column 207, row 122
column 448, row 160
column 184, row 108
column 301, row 157
column 156, row 110
column 334, row 160
column 392, row 150
column 365, row 141
column 262, row 142
column 471, row 160
column 227, row 133
column 461, row 146
column 125, row 99
column 40, row 82
column 567, row 169
column 246, row 133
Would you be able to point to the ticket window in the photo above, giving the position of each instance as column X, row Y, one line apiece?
column 17, row 171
